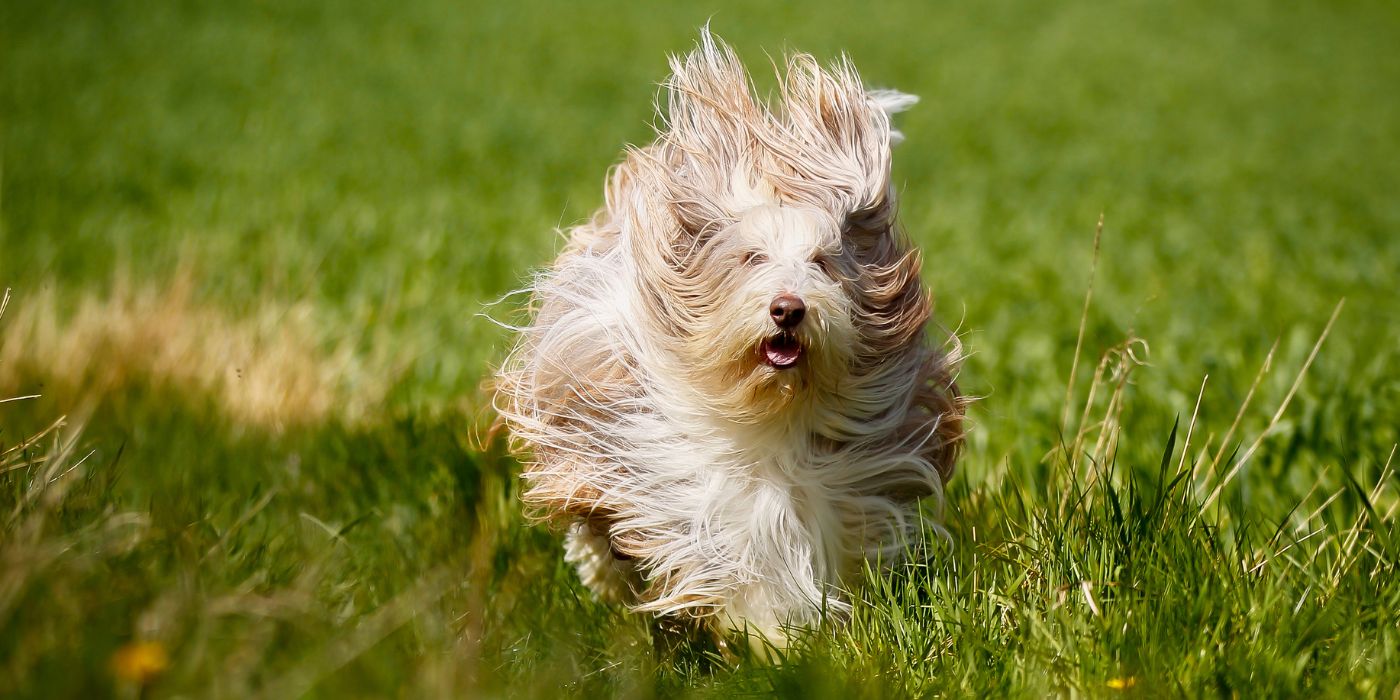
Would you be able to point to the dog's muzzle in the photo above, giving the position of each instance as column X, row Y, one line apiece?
column 783, row 349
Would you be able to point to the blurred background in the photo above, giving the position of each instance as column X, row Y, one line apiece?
column 250, row 246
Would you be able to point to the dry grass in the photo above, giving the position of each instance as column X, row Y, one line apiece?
column 265, row 369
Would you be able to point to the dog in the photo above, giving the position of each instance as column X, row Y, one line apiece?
column 726, row 396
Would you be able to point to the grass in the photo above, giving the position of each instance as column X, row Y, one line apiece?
column 249, row 243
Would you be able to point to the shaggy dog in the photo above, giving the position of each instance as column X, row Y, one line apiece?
column 726, row 395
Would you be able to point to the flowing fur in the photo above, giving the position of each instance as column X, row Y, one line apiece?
column 693, row 479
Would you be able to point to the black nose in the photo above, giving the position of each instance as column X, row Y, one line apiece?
column 787, row 310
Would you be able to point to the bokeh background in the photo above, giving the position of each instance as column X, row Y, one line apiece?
column 253, row 248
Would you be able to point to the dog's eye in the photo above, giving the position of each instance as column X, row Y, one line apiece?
column 754, row 258
column 824, row 264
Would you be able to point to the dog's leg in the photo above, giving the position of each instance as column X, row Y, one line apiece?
column 610, row 578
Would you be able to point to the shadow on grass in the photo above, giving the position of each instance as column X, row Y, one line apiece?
column 329, row 557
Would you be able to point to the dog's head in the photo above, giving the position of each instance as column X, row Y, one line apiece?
column 764, row 241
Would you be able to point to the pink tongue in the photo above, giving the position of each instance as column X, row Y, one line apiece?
column 782, row 355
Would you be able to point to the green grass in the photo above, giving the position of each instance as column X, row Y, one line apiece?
column 373, row 174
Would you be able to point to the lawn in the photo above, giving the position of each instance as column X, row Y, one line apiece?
column 252, row 248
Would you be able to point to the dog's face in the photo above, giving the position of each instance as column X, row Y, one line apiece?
column 777, row 318
column 771, row 262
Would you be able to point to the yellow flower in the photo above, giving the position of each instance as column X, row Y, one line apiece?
column 140, row 662
column 1122, row 683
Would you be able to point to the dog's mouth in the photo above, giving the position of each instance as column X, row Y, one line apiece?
column 782, row 350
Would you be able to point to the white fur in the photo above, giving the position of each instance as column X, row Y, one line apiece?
column 694, row 479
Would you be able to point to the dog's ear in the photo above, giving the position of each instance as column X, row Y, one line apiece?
column 710, row 133
column 829, row 146
column 835, row 143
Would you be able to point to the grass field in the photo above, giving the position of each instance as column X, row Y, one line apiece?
column 248, row 246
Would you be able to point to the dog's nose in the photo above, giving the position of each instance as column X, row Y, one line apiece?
column 787, row 310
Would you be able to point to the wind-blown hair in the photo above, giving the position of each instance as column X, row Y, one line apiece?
column 696, row 478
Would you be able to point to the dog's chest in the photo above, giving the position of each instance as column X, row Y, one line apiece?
column 790, row 517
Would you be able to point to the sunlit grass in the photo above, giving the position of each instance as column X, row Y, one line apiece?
column 243, row 445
